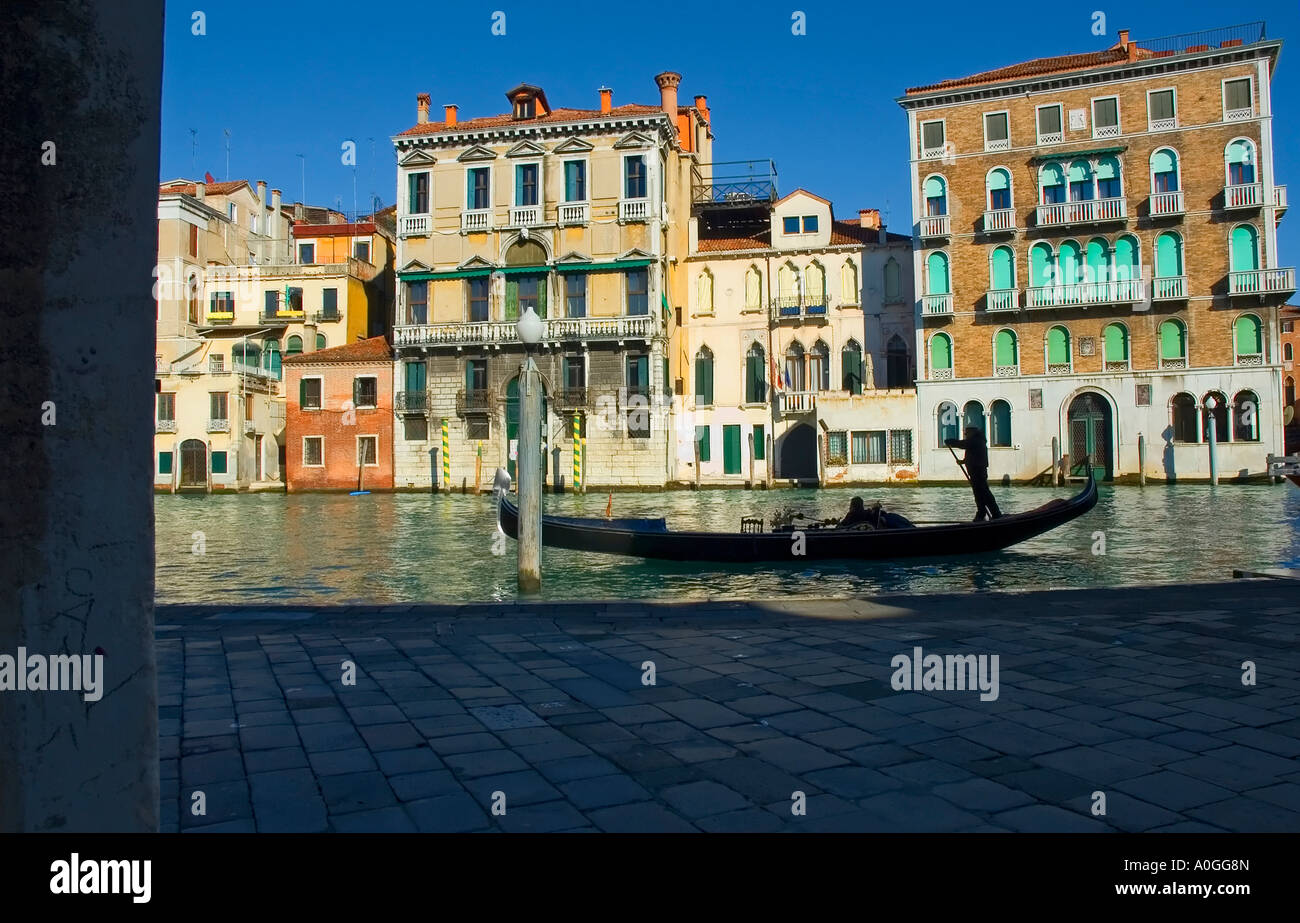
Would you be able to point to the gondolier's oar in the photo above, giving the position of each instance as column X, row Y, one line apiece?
column 959, row 464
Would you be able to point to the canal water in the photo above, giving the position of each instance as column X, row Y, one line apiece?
column 332, row 548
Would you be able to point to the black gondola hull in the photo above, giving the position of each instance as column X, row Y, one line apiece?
column 596, row 535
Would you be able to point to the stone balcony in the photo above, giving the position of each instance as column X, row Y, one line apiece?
column 556, row 329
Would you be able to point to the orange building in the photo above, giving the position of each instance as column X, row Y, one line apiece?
column 339, row 418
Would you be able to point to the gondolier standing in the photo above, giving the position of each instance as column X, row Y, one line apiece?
column 976, row 465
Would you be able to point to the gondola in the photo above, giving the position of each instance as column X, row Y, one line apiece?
column 650, row 538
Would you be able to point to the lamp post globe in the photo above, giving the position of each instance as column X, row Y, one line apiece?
column 530, row 328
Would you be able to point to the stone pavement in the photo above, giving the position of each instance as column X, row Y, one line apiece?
column 1135, row 693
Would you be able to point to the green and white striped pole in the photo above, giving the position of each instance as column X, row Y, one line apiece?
column 577, row 453
column 446, row 454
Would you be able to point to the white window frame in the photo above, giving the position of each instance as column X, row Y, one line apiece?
column 302, row 244
column 464, row 186
column 997, row 145
column 993, row 344
column 931, row 153
column 1011, row 186
column 321, row 379
column 1069, row 345
column 1038, row 132
column 357, row 453
column 622, row 177
column 1223, row 96
column 375, row 405
column 1151, row 126
column 1119, row 117
column 406, row 192
column 305, row 463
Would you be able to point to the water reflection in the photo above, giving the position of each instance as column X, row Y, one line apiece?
column 333, row 548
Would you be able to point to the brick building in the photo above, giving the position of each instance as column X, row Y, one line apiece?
column 1095, row 255
column 339, row 417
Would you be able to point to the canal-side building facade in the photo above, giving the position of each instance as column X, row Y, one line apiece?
column 339, row 418
column 799, row 345
column 1096, row 259
column 579, row 214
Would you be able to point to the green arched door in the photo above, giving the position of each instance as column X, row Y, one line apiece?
column 1088, row 425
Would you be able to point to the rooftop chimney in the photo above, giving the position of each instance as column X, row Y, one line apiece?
column 200, row 190
column 261, row 190
column 606, row 99
column 1123, row 39
column 869, row 218
column 422, row 109
column 702, row 104
column 668, row 82
column 297, row 211
column 450, row 114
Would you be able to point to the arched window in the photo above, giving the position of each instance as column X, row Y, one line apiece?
column 755, row 375
column 1248, row 340
column 1058, row 351
column 936, row 196
column 1245, row 248
column 998, row 183
column 753, row 289
column 973, row 415
column 1245, row 416
column 1070, row 263
column 704, row 293
column 1288, row 391
column 893, row 283
column 1173, row 345
column 1098, row 268
column 1081, row 181
column 1168, row 282
column 819, row 367
column 1288, row 354
column 1164, row 171
column 1051, row 180
column 814, row 288
column 1109, row 182
column 1183, row 417
column 293, row 345
column 1220, row 415
column 849, row 283
column 1042, row 265
column 1002, row 269
column 271, row 359
column 851, row 367
column 948, row 422
column 940, row 356
column 704, row 377
column 1128, row 259
column 898, row 365
column 795, row 368
column 1239, row 157
column 787, row 286
column 1006, row 354
column 246, row 354
column 1000, row 424
column 320, row 341
column 936, row 273
column 1115, row 347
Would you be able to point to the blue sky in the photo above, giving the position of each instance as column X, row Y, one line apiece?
column 288, row 78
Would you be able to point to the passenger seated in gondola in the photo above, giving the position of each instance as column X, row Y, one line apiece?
column 857, row 516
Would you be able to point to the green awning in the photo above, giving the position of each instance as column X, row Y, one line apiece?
column 457, row 274
column 615, row 266
column 1068, row 155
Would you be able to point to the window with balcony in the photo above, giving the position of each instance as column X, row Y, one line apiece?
column 1244, row 254
column 527, row 184
column 1082, row 183
column 1166, row 191
column 1248, row 340
column 477, row 291
column 1238, row 99
column 415, row 380
column 476, row 379
column 1050, row 130
column 1115, row 348
column 222, row 303
column 936, row 197
column 575, row 294
column 638, row 293
column 417, row 193
column 1002, row 279
column 530, row 292
column 1051, row 180
column 938, row 285
column 1006, row 353
column 271, row 303
column 1169, row 281
column 998, row 185
column 1105, row 117
column 575, row 181
column 1128, row 260
column 819, row 367
column 755, row 375
column 1246, row 416
column 417, row 302
column 932, row 138
column 704, row 377
column 1109, row 184
column 1173, row 345
column 1239, row 157
column 940, row 356
column 814, row 288
column 271, row 360
column 1162, row 110
column 635, row 178
column 479, row 188
column 851, row 369
column 997, row 132
column 306, row 254
column 293, row 299
column 794, row 376
column 1058, row 351
column 948, row 422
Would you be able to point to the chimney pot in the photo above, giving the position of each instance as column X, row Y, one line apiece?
column 422, row 109
column 702, row 104
column 200, row 191
column 297, row 211
column 869, row 218
column 1123, row 39
column 450, row 114
column 606, row 99
column 668, row 82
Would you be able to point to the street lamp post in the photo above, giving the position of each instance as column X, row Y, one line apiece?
column 528, row 463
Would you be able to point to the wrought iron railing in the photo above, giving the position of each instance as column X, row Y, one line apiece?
column 411, row 401
column 734, row 182
column 474, row 400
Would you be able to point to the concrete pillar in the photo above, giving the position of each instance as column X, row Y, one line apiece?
column 76, row 518
column 529, row 469
column 1142, row 460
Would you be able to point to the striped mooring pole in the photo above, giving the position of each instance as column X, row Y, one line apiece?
column 577, row 453
column 446, row 454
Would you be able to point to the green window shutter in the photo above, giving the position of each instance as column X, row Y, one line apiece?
column 702, row 440
column 1071, row 263
column 1250, row 340
column 302, row 392
column 938, row 274
column 940, row 352
column 164, row 462
column 543, row 283
column 1171, row 340
column 760, row 442
column 512, row 299
column 1006, row 348
column 1040, row 265
column 1126, row 259
column 1245, row 253
column 320, row 341
column 1001, row 276
column 1169, row 256
column 1058, row 347
column 1098, row 260
column 218, row 462
column 731, row 449
column 1116, row 344
column 410, row 192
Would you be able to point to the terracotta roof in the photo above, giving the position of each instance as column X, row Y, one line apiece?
column 555, row 115
column 1054, row 65
column 375, row 349
column 759, row 241
column 211, row 189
